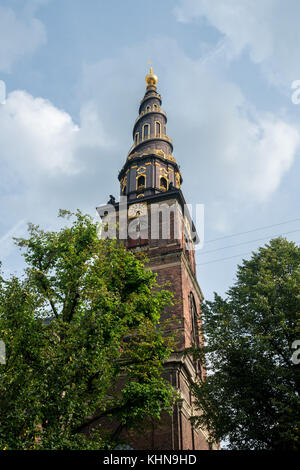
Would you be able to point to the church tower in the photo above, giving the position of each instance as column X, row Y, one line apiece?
column 150, row 168
column 159, row 224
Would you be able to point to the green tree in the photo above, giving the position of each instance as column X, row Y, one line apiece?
column 85, row 315
column 250, row 396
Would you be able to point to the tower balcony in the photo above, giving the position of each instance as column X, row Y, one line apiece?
column 152, row 109
column 149, row 138
column 150, row 94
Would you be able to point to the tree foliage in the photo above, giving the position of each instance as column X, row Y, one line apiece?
column 85, row 315
column 251, row 393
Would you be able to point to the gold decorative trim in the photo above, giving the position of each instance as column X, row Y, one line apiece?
column 164, row 172
column 141, row 170
column 151, row 152
column 124, row 184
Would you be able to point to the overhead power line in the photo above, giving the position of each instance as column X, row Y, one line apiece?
column 223, row 259
column 245, row 243
column 253, row 230
column 230, row 257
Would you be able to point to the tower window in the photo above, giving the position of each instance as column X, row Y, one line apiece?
column 163, row 184
column 194, row 320
column 157, row 129
column 141, row 182
column 136, row 138
column 148, row 108
column 146, row 131
column 155, row 107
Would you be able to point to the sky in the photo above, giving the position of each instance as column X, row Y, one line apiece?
column 74, row 73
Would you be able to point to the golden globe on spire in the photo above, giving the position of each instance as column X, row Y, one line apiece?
column 151, row 79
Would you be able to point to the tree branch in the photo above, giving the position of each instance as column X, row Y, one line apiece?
column 95, row 418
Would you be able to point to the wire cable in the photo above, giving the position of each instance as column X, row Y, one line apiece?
column 253, row 230
column 230, row 257
column 249, row 241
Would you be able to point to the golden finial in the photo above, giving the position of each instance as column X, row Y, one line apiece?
column 151, row 79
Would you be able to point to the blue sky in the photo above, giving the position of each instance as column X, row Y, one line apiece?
column 74, row 73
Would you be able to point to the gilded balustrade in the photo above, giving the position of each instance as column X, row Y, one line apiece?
column 150, row 137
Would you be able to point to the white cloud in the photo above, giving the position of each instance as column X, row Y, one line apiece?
column 49, row 162
column 266, row 151
column 244, row 23
column 92, row 129
column 269, row 29
column 38, row 138
column 20, row 34
column 35, row 135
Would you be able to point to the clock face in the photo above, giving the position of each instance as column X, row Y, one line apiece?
column 138, row 209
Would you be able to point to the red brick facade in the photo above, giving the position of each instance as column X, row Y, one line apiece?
column 174, row 264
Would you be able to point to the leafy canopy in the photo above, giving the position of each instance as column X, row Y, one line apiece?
column 251, row 393
column 85, row 314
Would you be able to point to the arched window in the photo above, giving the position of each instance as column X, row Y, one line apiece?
column 155, row 107
column 137, row 138
column 157, row 129
column 163, row 183
column 146, row 131
column 148, row 108
column 141, row 182
column 194, row 321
